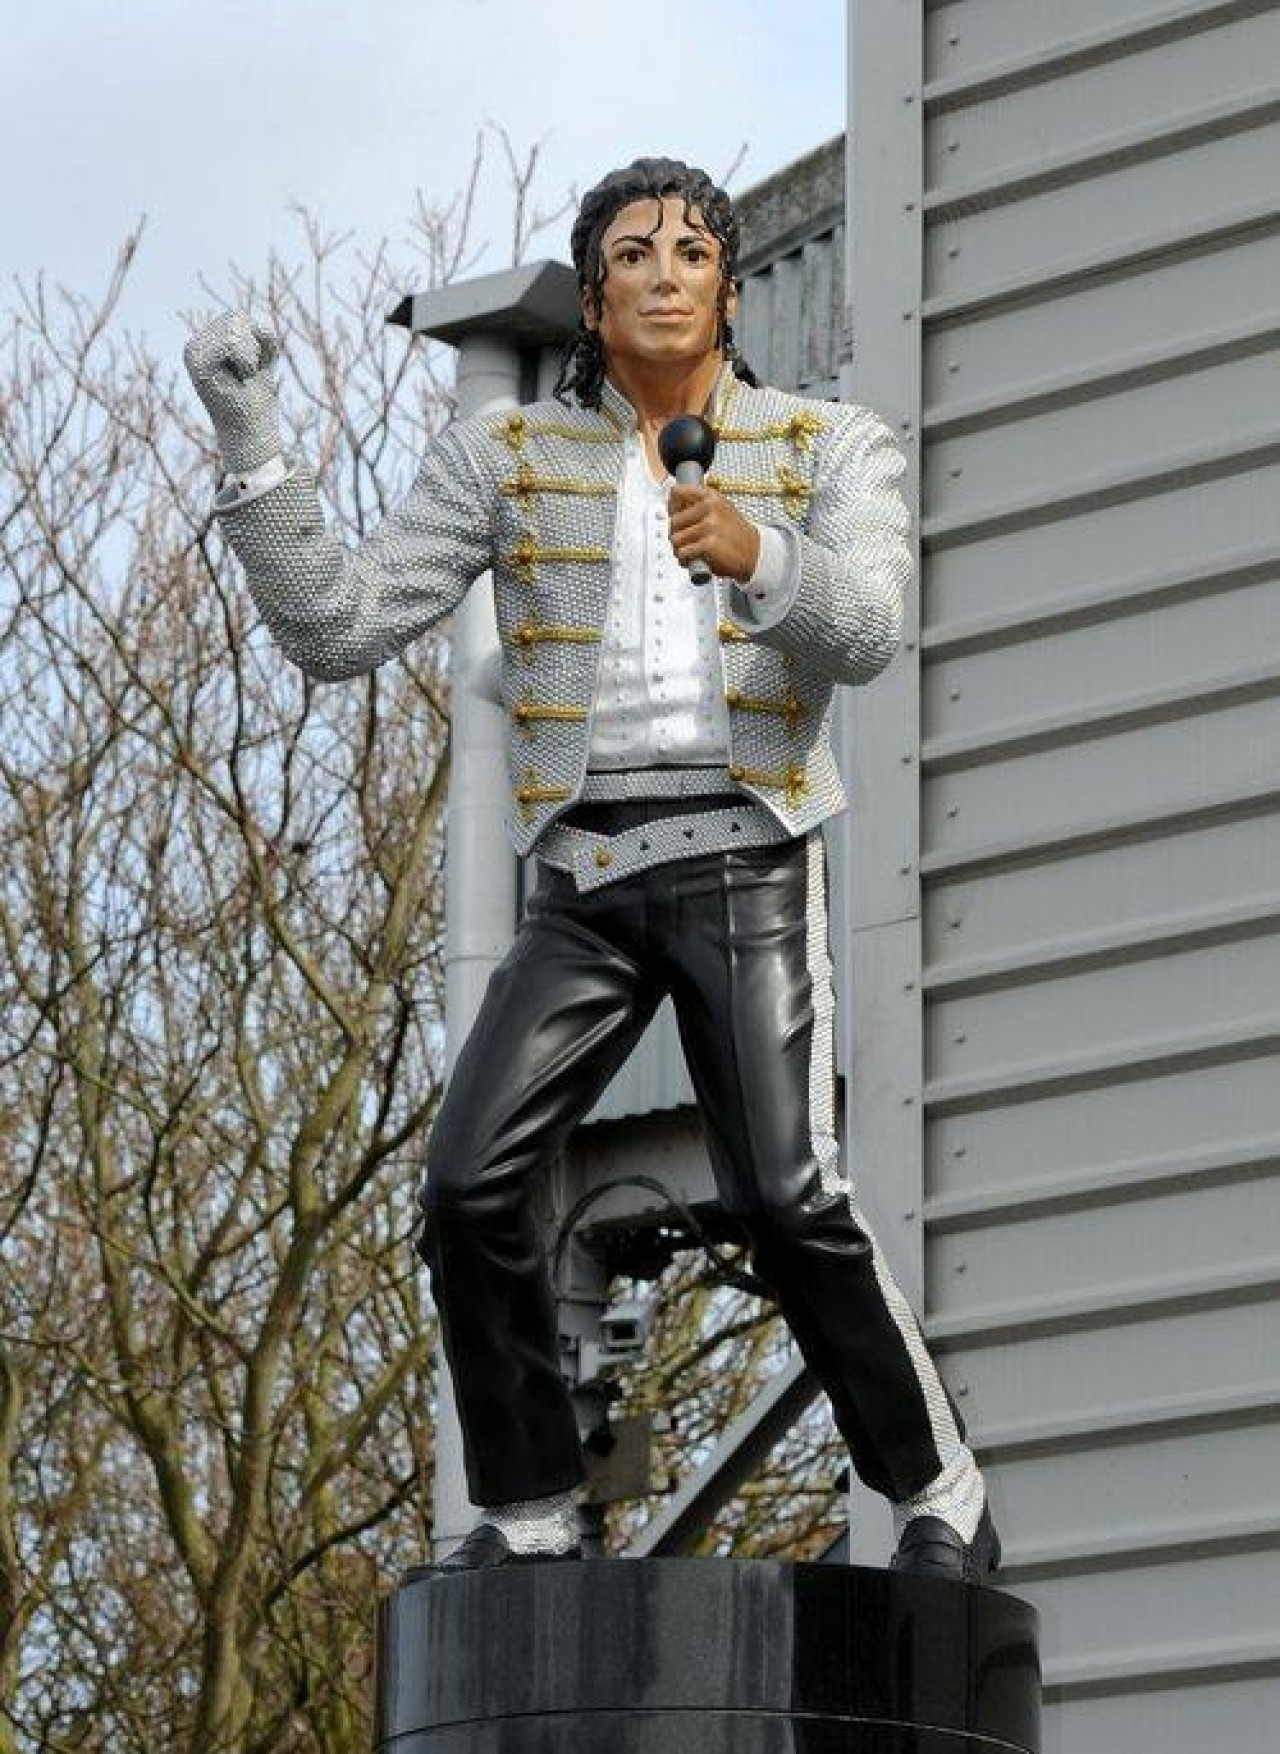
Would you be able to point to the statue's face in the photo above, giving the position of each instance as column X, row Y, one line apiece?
column 660, row 299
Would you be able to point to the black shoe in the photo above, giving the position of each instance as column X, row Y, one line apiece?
column 484, row 1549
column 934, row 1549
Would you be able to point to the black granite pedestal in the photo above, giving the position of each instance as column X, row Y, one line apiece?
column 704, row 1656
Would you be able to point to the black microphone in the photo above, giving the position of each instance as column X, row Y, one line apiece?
column 686, row 446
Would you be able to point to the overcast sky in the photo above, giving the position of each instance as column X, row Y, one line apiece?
column 212, row 120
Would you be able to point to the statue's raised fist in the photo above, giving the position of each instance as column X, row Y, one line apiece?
column 230, row 345
column 229, row 360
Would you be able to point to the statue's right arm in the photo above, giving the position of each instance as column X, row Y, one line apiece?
column 334, row 613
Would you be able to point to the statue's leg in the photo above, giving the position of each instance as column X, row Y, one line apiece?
column 751, row 980
column 559, row 1016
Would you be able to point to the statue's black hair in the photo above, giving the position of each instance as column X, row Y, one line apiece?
column 582, row 368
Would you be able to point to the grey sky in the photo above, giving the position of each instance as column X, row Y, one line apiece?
column 212, row 120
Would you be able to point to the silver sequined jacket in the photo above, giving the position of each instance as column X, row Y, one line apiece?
column 531, row 495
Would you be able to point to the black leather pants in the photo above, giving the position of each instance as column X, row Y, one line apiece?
column 739, row 941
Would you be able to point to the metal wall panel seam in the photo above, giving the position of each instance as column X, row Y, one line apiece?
column 1112, row 1427
column 1155, row 936
column 1196, row 1538
column 815, row 228
column 1148, row 708
column 785, row 350
column 1184, row 1665
column 1113, row 152
column 1105, row 487
column 1040, row 285
column 1139, row 1300
column 1106, row 602
column 755, row 315
column 1110, row 1184
column 820, row 316
column 1135, row 1058
column 1137, row 369
column 1077, row 55
column 1100, row 831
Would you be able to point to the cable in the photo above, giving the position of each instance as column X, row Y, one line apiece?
column 724, row 1270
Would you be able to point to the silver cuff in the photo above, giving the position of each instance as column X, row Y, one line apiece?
column 243, row 485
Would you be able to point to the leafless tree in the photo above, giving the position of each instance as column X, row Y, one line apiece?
column 220, row 1033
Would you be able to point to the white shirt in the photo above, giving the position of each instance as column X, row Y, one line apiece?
column 660, row 700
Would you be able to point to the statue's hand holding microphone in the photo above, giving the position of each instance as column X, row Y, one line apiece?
column 710, row 537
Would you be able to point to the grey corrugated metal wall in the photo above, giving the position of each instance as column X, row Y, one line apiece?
column 1066, row 278
column 790, row 328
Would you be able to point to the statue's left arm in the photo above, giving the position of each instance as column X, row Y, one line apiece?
column 852, row 554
